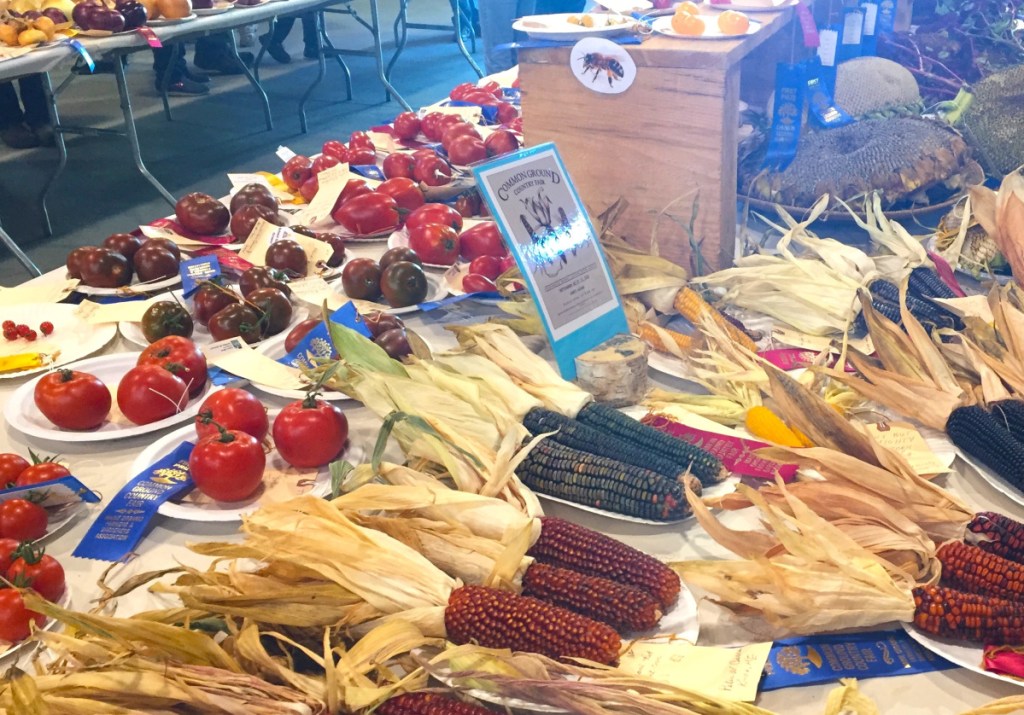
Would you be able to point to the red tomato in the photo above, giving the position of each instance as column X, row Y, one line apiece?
column 435, row 243
column 14, row 617
column 516, row 125
column 361, row 156
column 22, row 520
column 424, row 153
column 229, row 466
column 407, row 125
column 507, row 262
column 398, row 164
column 45, row 471
column 309, row 189
column 484, row 99
column 335, row 148
column 461, row 90
column 38, row 571
column 72, row 400
column 476, row 283
column 429, row 126
column 324, row 161
column 492, row 88
column 501, row 142
column 434, row 213
column 368, row 214
column 180, row 356
column 310, row 433
column 232, row 409
column 405, row 192
column 466, row 150
column 7, row 549
column 468, row 204
column 507, row 112
column 11, row 465
column 148, row 393
column 446, row 121
column 484, row 239
column 353, row 188
column 460, row 129
column 487, row 266
column 360, row 140
column 433, row 171
column 296, row 171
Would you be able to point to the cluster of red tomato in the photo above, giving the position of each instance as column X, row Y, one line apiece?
column 25, row 566
column 300, row 172
column 14, row 331
column 122, row 255
column 228, row 462
column 167, row 374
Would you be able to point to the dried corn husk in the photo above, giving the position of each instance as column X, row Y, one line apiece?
column 847, row 700
column 720, row 409
column 906, row 251
column 1009, row 222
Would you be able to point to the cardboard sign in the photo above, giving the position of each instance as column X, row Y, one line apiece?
column 546, row 227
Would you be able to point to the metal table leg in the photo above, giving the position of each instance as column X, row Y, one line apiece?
column 165, row 78
column 253, row 81
column 326, row 42
column 62, row 149
column 318, row 18
column 271, row 26
column 457, row 22
column 23, row 259
column 401, row 20
column 378, row 55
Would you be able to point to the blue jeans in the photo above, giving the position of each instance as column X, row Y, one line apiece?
column 496, row 17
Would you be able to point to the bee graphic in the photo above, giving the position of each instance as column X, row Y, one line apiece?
column 603, row 63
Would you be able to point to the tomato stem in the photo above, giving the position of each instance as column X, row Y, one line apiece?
column 66, row 375
column 206, row 417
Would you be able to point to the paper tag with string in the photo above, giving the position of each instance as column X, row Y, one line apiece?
column 236, row 357
column 828, row 42
column 331, row 182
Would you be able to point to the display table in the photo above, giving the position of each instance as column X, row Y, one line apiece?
column 669, row 136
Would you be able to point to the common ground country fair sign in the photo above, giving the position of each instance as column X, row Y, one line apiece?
column 540, row 214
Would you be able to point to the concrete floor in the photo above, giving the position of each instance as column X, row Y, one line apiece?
column 101, row 193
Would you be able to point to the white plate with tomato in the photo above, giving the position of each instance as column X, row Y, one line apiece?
column 146, row 396
column 274, row 348
column 133, row 288
column 574, row 26
column 7, row 649
column 280, row 481
column 70, row 337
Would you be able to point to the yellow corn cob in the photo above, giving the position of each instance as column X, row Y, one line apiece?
column 762, row 422
column 23, row 361
column 656, row 338
column 692, row 307
column 805, row 441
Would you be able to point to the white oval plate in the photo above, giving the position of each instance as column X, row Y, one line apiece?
column 965, row 655
column 133, row 288
column 748, row 6
column 196, row 507
column 22, row 414
column 555, row 27
column 163, row 21
column 992, row 479
column 217, row 9
column 663, row 25
column 274, row 349
column 73, row 337
column 48, row 625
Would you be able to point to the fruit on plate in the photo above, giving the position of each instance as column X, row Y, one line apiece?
column 262, row 277
column 406, row 125
column 398, row 164
column 484, row 239
column 233, row 409
column 454, row 131
column 66, row 7
column 236, row 320
column 399, row 253
column 310, row 433
column 406, row 193
column 15, row 617
column 154, row 262
column 687, row 8
column 353, row 188
column 254, row 194
column 435, row 243
column 76, row 256
column 507, row 113
column 275, row 310
column 477, row 283
column 103, row 268
column 395, row 343
column 488, row 266
column 334, row 240
column 300, row 331
column 45, row 469
column 501, row 142
column 201, row 213
column 684, row 23
column 361, row 156
column 228, row 466
column 210, row 299
column 164, row 243
column 124, row 243
column 134, row 13
column 148, row 393
column 72, row 400
column 180, row 356
column 174, row 9
column 244, row 219
column 166, row 317
column 434, row 213
column 360, row 278
column 731, row 22
column 11, row 467
column 360, row 140
column 22, row 520
column 97, row 15
column 432, row 171
column 288, row 257
column 34, row 568
column 465, row 150
column 403, row 284
column 369, row 214
column 468, row 204
column 378, row 322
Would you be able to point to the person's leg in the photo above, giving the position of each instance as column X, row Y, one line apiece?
column 309, row 36
column 37, row 110
column 496, row 18
column 275, row 48
column 213, row 53
column 13, row 131
column 179, row 82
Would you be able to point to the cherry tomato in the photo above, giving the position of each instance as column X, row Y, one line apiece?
column 11, row 465
column 7, row 549
column 22, row 520
column 476, row 283
column 310, row 432
column 434, row 213
column 44, row 471
column 398, row 164
column 148, row 393
column 72, row 400
column 487, row 266
column 229, row 466
column 368, row 214
column 335, row 148
column 15, row 618
column 435, row 243
column 232, row 409
column 182, row 357
column 404, row 191
column 407, row 125
column 432, row 171
column 484, row 239
column 39, row 571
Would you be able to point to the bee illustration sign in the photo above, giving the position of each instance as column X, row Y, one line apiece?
column 602, row 66
column 538, row 211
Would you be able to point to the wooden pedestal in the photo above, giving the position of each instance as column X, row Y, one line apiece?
column 668, row 138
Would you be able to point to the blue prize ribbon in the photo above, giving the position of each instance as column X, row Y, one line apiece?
column 490, row 113
column 317, row 342
column 42, row 490
column 823, row 108
column 370, row 171
column 120, row 527
column 80, row 49
column 194, row 270
column 822, row 659
column 787, row 115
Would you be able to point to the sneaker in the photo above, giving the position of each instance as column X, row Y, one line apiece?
column 185, row 87
column 221, row 65
column 19, row 136
column 279, row 53
column 196, row 75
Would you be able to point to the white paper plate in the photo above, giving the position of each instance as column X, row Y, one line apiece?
column 49, row 625
column 669, row 365
column 163, row 21
column 274, row 348
column 133, row 288
column 58, row 518
column 196, row 507
column 626, row 6
column 217, row 9
column 72, row 337
column 663, row 25
column 555, row 27
column 747, row 6
column 22, row 414
column 966, row 655
column 993, row 480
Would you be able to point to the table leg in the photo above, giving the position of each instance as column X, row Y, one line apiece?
column 321, row 70
column 165, row 80
column 457, row 22
column 326, row 41
column 132, row 134
column 271, row 25
column 401, row 20
column 378, row 55
column 23, row 259
column 233, row 45
column 62, row 149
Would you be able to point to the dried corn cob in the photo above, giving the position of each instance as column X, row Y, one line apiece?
column 666, row 341
column 984, row 438
column 966, row 616
column 972, row 569
column 585, row 478
column 1003, row 536
column 625, row 608
column 703, row 465
column 500, row 619
column 571, row 546
column 693, row 307
column 926, row 282
column 429, row 704
column 1010, row 413
column 762, row 422
column 575, row 434
column 883, row 308
column 923, row 310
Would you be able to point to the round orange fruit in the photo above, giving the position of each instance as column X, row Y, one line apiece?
column 686, row 24
column 731, row 22
column 688, row 8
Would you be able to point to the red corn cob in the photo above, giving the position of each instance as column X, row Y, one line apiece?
column 967, row 616
column 571, row 546
column 1004, row 536
column 969, row 568
column 500, row 619
column 429, row 704
column 624, row 608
